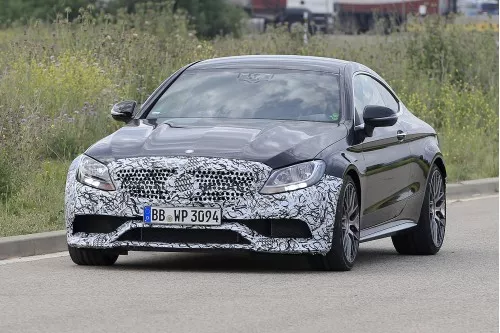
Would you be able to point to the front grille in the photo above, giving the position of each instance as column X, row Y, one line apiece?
column 194, row 185
column 189, row 236
column 146, row 183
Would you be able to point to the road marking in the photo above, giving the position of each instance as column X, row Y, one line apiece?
column 34, row 258
column 473, row 198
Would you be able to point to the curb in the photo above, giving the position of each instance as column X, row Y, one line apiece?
column 471, row 188
column 33, row 244
column 55, row 241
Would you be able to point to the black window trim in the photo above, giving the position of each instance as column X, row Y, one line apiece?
column 156, row 95
column 400, row 109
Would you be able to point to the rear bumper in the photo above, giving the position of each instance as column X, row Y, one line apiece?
column 300, row 221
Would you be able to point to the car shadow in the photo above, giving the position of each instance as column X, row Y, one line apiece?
column 242, row 262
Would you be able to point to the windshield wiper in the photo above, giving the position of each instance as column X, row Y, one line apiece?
column 172, row 125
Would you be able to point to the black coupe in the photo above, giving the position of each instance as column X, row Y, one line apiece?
column 281, row 154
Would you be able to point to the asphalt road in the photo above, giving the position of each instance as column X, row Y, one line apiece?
column 454, row 291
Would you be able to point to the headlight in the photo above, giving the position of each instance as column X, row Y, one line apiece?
column 95, row 174
column 294, row 177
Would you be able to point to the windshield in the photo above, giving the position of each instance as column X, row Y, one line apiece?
column 251, row 94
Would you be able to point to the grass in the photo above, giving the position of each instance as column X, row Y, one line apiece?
column 28, row 210
column 58, row 82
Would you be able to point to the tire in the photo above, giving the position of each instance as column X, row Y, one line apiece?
column 428, row 236
column 92, row 257
column 340, row 257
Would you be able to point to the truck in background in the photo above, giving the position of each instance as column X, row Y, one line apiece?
column 320, row 13
column 347, row 16
column 355, row 16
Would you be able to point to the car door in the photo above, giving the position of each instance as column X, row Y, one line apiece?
column 386, row 157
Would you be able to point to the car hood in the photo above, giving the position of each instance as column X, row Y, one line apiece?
column 273, row 142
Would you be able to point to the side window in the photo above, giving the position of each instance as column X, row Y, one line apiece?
column 365, row 93
column 389, row 100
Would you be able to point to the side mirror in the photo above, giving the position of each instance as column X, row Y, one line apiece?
column 378, row 116
column 123, row 111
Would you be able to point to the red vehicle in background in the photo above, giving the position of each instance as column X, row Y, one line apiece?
column 360, row 15
column 350, row 16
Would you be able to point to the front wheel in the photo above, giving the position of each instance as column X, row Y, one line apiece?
column 428, row 236
column 345, row 242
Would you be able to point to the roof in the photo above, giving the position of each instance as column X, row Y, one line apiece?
column 274, row 61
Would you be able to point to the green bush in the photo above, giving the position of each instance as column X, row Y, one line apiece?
column 24, row 10
column 444, row 52
column 209, row 18
column 466, row 119
column 6, row 177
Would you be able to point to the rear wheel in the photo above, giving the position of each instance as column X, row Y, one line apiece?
column 92, row 257
column 345, row 243
column 428, row 236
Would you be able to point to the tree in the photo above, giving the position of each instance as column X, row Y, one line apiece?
column 209, row 17
column 13, row 10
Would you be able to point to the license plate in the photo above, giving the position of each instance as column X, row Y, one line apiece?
column 186, row 216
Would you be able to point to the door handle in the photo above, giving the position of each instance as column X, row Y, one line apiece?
column 401, row 135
